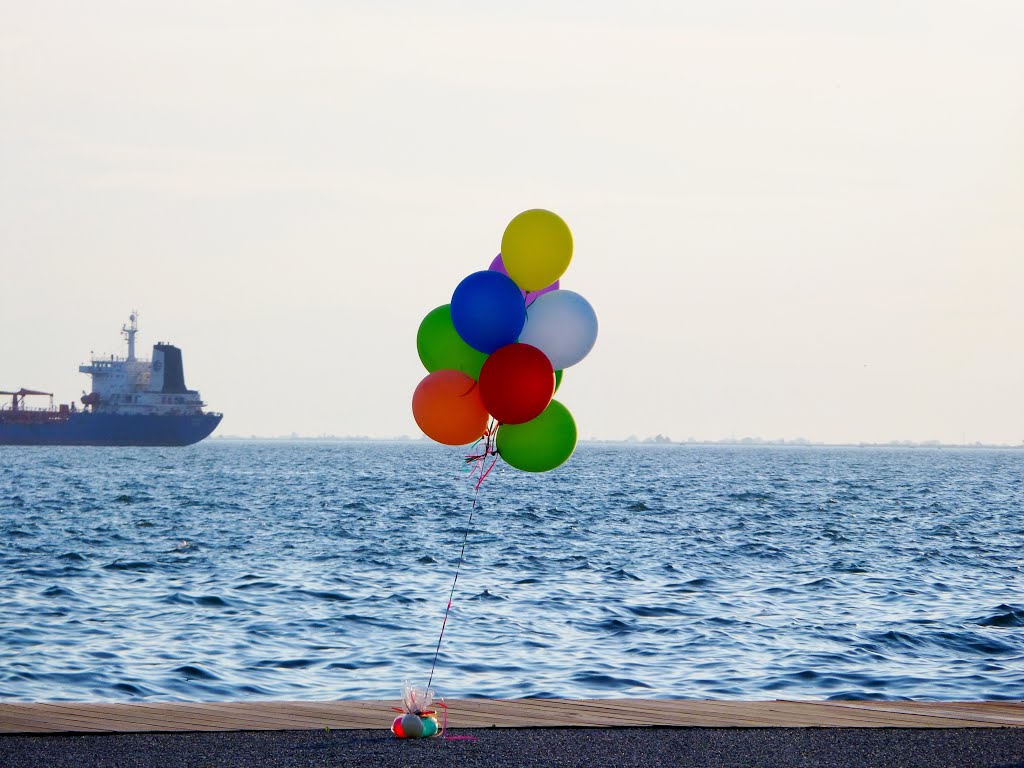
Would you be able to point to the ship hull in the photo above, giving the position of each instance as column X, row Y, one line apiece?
column 115, row 429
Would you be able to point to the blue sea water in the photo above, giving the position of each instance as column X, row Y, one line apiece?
column 302, row 570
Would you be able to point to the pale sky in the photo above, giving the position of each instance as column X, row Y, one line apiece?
column 795, row 219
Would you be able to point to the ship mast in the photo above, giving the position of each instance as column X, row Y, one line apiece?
column 130, row 332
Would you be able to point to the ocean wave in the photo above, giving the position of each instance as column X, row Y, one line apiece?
column 323, row 571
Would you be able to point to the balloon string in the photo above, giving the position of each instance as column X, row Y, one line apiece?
column 478, row 461
column 452, row 593
column 485, row 474
column 444, row 726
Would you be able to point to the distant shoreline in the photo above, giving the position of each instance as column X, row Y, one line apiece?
column 741, row 443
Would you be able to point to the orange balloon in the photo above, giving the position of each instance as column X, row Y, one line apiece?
column 448, row 408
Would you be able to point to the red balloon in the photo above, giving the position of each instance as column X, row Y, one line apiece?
column 447, row 407
column 397, row 729
column 516, row 383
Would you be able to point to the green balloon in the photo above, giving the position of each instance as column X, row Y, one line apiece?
column 440, row 347
column 541, row 444
column 429, row 727
column 558, row 380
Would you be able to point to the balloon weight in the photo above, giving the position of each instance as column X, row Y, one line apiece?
column 412, row 725
column 430, row 727
column 396, row 728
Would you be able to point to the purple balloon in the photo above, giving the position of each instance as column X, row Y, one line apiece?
column 528, row 296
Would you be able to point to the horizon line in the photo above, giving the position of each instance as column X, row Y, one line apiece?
column 648, row 441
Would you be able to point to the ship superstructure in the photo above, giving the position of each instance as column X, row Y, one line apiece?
column 132, row 401
column 128, row 385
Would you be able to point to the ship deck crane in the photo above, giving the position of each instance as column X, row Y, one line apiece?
column 19, row 397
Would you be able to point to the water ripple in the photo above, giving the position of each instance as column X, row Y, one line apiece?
column 306, row 570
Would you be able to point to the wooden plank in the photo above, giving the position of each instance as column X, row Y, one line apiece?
column 604, row 713
column 593, row 713
column 829, row 713
column 158, row 716
column 16, row 722
column 211, row 716
column 63, row 717
column 992, row 714
column 190, row 718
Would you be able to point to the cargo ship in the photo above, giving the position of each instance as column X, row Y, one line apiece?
column 131, row 402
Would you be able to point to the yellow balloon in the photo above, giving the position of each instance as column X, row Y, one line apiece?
column 536, row 249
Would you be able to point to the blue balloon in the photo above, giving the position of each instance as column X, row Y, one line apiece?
column 488, row 311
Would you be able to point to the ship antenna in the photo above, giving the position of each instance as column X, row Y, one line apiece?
column 130, row 331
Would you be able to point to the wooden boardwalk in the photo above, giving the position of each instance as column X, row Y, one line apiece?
column 70, row 717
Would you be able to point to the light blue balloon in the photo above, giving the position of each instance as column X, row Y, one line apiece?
column 562, row 325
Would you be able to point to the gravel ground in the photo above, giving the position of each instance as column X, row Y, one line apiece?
column 648, row 747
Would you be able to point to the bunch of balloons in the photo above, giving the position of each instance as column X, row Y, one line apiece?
column 497, row 351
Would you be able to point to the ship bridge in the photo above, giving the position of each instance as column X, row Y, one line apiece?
column 130, row 385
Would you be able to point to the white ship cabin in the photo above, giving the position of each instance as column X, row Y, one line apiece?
column 129, row 385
